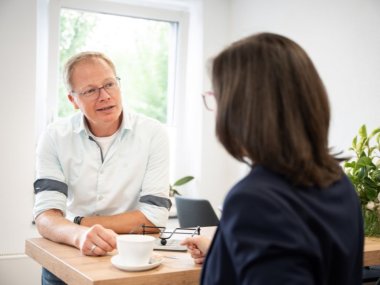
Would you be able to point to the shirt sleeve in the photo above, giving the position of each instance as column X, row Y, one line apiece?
column 154, row 200
column 50, row 188
column 266, row 243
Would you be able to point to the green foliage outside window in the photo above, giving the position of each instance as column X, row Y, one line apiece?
column 138, row 47
column 74, row 29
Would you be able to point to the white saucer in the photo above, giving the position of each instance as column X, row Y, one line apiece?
column 154, row 261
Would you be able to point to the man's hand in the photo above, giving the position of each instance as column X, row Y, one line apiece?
column 97, row 240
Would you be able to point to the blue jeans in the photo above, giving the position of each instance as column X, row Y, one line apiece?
column 48, row 278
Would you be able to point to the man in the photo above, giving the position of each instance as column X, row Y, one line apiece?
column 102, row 171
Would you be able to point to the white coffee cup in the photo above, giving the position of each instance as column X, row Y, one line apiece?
column 135, row 250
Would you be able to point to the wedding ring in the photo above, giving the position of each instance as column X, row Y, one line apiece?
column 93, row 248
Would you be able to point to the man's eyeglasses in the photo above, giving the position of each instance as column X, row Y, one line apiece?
column 111, row 87
column 209, row 100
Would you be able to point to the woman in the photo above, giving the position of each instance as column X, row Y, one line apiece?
column 295, row 218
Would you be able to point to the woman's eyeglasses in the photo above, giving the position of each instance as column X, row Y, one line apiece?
column 209, row 100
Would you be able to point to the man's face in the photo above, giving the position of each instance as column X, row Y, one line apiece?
column 102, row 112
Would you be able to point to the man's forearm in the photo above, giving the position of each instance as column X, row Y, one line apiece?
column 125, row 223
column 52, row 225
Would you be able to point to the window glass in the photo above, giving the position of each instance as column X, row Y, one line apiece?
column 140, row 48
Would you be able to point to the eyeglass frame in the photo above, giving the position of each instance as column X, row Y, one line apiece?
column 81, row 94
column 162, row 230
column 204, row 96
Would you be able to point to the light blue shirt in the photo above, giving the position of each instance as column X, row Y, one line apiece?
column 74, row 176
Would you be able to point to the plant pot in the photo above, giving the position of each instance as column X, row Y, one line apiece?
column 371, row 222
column 173, row 209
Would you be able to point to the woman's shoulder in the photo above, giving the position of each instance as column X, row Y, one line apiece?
column 258, row 180
column 260, row 186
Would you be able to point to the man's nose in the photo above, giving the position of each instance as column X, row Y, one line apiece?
column 103, row 94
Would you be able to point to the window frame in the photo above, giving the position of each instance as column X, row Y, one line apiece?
column 176, row 74
column 48, row 75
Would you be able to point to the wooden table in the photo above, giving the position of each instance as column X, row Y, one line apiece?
column 177, row 268
column 72, row 267
column 371, row 251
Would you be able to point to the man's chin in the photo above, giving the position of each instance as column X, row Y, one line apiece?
column 110, row 117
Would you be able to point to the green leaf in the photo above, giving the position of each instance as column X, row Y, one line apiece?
column 376, row 175
column 354, row 142
column 369, row 183
column 371, row 194
column 175, row 192
column 374, row 132
column 363, row 140
column 362, row 173
column 363, row 131
column 364, row 161
column 183, row 180
column 349, row 164
column 370, row 150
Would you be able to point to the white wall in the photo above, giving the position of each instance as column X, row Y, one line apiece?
column 17, row 75
column 19, row 270
column 218, row 170
column 17, row 81
column 342, row 38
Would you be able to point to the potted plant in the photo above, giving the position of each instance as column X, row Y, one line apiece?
column 364, row 172
column 172, row 188
column 173, row 191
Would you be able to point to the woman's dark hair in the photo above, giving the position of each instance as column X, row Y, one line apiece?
column 273, row 109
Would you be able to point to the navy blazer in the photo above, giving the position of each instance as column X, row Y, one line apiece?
column 273, row 233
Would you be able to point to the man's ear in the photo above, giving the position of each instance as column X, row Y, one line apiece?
column 72, row 99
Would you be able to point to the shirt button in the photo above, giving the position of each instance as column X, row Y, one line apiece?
column 100, row 197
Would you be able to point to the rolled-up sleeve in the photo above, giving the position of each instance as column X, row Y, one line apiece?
column 50, row 188
column 48, row 200
column 154, row 200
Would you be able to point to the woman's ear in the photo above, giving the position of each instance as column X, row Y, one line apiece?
column 73, row 101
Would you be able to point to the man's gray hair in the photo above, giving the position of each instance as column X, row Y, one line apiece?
column 73, row 61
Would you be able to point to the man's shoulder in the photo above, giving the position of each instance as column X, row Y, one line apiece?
column 138, row 121
column 64, row 126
